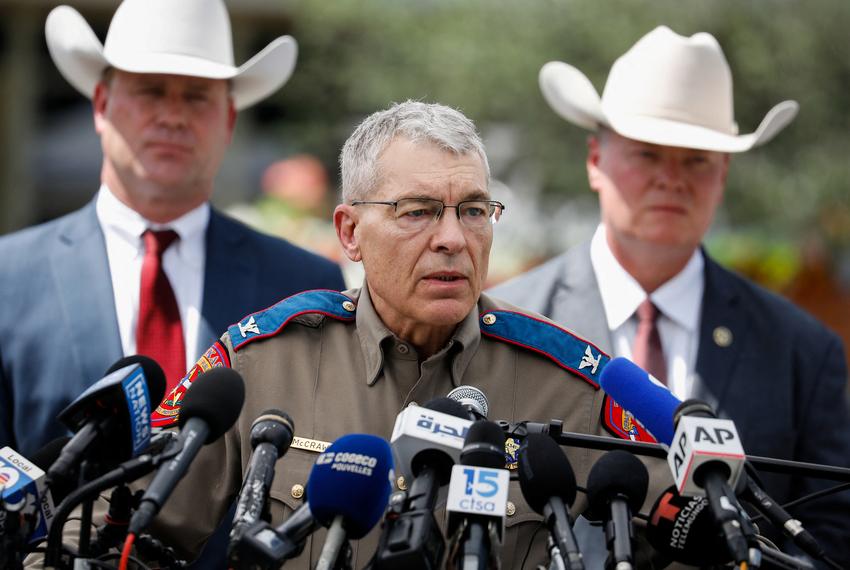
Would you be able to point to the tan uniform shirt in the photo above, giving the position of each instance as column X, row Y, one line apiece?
column 335, row 377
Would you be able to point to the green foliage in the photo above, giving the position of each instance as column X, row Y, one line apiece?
column 483, row 56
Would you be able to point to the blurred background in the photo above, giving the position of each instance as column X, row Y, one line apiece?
column 786, row 216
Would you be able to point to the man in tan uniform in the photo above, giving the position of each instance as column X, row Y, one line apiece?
column 417, row 212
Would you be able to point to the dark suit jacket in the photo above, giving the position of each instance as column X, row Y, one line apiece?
column 58, row 329
column 782, row 379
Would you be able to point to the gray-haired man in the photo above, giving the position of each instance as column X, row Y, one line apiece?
column 417, row 212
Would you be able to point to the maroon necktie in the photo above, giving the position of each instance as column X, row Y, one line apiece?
column 647, row 351
column 159, row 333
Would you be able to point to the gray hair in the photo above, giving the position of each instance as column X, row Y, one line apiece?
column 443, row 126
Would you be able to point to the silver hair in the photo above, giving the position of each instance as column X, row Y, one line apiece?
column 443, row 126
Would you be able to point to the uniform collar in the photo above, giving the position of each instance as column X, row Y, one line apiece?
column 375, row 338
column 119, row 220
column 678, row 299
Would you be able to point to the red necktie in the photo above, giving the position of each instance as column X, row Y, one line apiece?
column 647, row 351
column 159, row 332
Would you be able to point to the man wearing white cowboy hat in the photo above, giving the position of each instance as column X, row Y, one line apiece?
column 148, row 266
column 644, row 288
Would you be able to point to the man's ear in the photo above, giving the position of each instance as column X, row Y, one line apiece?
column 592, row 162
column 99, row 101
column 345, row 223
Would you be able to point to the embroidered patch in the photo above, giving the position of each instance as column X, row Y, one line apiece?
column 167, row 412
column 511, row 448
column 621, row 423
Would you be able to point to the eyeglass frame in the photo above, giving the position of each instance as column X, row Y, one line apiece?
column 394, row 203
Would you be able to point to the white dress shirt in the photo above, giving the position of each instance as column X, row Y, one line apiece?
column 679, row 302
column 183, row 263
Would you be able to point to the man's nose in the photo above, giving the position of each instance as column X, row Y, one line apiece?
column 448, row 232
column 173, row 110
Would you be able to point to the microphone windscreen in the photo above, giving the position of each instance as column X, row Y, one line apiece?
column 683, row 529
column 617, row 473
column 154, row 376
column 544, row 472
column 447, row 406
column 351, row 478
column 216, row 396
column 274, row 427
column 472, row 398
column 651, row 404
column 484, row 445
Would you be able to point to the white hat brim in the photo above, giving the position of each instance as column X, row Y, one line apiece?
column 572, row 96
column 80, row 58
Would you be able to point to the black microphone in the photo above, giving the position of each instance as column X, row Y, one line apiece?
column 411, row 537
column 271, row 436
column 478, row 497
column 616, row 488
column 111, row 418
column 209, row 408
column 549, row 487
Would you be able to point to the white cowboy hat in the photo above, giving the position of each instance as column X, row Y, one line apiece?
column 668, row 90
column 180, row 37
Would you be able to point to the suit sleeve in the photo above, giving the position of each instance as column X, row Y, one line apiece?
column 824, row 438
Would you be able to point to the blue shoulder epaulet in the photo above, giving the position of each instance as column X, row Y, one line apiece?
column 559, row 345
column 271, row 321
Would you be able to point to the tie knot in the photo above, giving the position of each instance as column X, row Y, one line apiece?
column 157, row 241
column 647, row 312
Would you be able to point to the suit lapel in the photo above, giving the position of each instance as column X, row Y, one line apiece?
column 576, row 302
column 723, row 328
column 80, row 269
column 230, row 274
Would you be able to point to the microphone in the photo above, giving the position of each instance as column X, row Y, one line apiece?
column 271, row 435
column 348, row 489
column 210, row 407
column 426, row 442
column 549, row 486
column 439, row 427
column 26, row 505
column 641, row 395
column 684, row 530
column 705, row 453
column 616, row 488
column 478, row 497
column 111, row 419
column 473, row 400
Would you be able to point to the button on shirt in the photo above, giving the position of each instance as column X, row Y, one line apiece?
column 183, row 263
column 679, row 301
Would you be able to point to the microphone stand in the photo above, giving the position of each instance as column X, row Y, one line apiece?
column 555, row 430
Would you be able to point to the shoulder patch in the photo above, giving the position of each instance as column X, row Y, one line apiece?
column 271, row 321
column 565, row 349
column 167, row 412
column 620, row 423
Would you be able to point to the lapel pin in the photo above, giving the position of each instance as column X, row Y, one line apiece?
column 722, row 337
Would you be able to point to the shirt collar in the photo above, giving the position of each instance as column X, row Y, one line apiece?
column 123, row 222
column 374, row 336
column 678, row 299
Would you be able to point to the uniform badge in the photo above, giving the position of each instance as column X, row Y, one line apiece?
column 511, row 448
column 621, row 423
column 249, row 327
column 167, row 412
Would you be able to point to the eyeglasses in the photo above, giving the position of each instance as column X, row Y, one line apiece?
column 418, row 213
